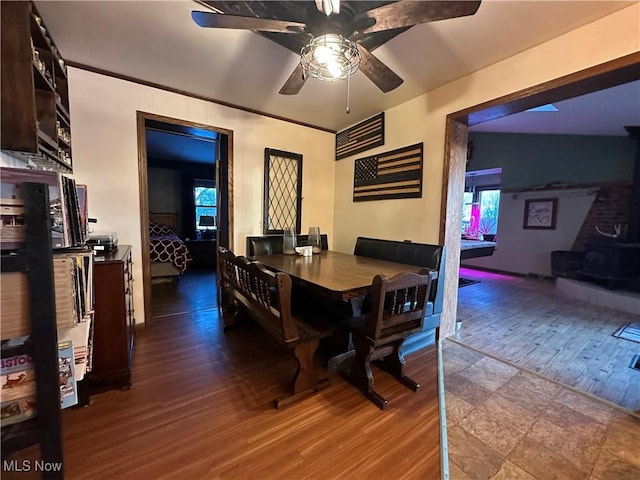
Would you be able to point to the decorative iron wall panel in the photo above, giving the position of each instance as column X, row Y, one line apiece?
column 282, row 190
column 395, row 174
column 363, row 136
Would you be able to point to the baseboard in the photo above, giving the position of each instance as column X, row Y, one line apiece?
column 539, row 276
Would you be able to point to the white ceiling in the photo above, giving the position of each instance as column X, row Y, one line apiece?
column 605, row 112
column 157, row 41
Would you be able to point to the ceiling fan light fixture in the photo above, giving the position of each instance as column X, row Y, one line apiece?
column 328, row 6
column 330, row 57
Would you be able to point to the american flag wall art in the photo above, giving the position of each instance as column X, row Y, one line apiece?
column 390, row 175
column 363, row 136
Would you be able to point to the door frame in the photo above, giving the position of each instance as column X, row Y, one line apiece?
column 141, row 117
column 609, row 74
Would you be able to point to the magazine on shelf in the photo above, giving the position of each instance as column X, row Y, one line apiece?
column 89, row 365
column 17, row 394
column 79, row 336
column 14, row 411
column 66, row 222
column 73, row 281
column 81, row 280
column 66, row 373
column 12, row 204
column 70, row 195
column 65, row 291
column 83, row 209
column 18, row 384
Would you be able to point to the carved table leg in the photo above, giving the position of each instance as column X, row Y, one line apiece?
column 309, row 377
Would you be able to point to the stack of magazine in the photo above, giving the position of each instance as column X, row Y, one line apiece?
column 67, row 202
column 18, row 385
column 81, row 332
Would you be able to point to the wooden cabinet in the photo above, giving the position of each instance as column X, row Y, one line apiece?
column 114, row 327
column 36, row 125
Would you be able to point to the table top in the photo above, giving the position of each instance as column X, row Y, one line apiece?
column 340, row 275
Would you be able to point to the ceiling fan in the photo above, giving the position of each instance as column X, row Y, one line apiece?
column 348, row 30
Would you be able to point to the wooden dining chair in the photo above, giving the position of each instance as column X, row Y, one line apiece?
column 397, row 311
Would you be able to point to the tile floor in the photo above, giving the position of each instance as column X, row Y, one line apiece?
column 504, row 423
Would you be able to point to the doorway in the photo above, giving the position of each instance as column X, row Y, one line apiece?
column 609, row 74
column 203, row 222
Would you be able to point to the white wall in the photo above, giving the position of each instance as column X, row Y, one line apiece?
column 401, row 219
column 423, row 119
column 526, row 251
column 105, row 157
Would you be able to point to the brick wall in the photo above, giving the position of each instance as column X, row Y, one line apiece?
column 610, row 207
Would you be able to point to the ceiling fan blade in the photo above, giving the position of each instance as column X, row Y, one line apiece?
column 294, row 83
column 376, row 71
column 407, row 13
column 218, row 20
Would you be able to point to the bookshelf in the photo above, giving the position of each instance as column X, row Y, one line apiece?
column 36, row 125
column 36, row 261
column 46, row 314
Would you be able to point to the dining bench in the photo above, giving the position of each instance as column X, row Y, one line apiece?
column 420, row 255
column 272, row 244
column 266, row 297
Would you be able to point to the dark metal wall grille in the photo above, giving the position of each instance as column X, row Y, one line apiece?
column 283, row 188
column 394, row 174
column 363, row 136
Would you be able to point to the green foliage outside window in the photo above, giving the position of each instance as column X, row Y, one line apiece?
column 205, row 203
column 489, row 208
column 489, row 201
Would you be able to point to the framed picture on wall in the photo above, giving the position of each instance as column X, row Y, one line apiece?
column 540, row 213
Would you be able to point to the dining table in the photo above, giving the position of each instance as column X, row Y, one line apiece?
column 333, row 275
column 341, row 281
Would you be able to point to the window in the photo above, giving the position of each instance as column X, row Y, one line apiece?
column 466, row 210
column 489, row 207
column 480, row 212
column 206, row 206
column 282, row 191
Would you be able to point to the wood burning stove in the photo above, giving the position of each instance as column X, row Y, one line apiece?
column 616, row 261
column 612, row 263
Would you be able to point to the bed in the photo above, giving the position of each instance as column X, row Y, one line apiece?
column 168, row 253
column 476, row 248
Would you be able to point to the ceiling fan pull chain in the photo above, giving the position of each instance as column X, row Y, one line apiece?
column 348, row 91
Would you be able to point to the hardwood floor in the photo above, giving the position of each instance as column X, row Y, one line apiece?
column 527, row 323
column 201, row 406
column 195, row 290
